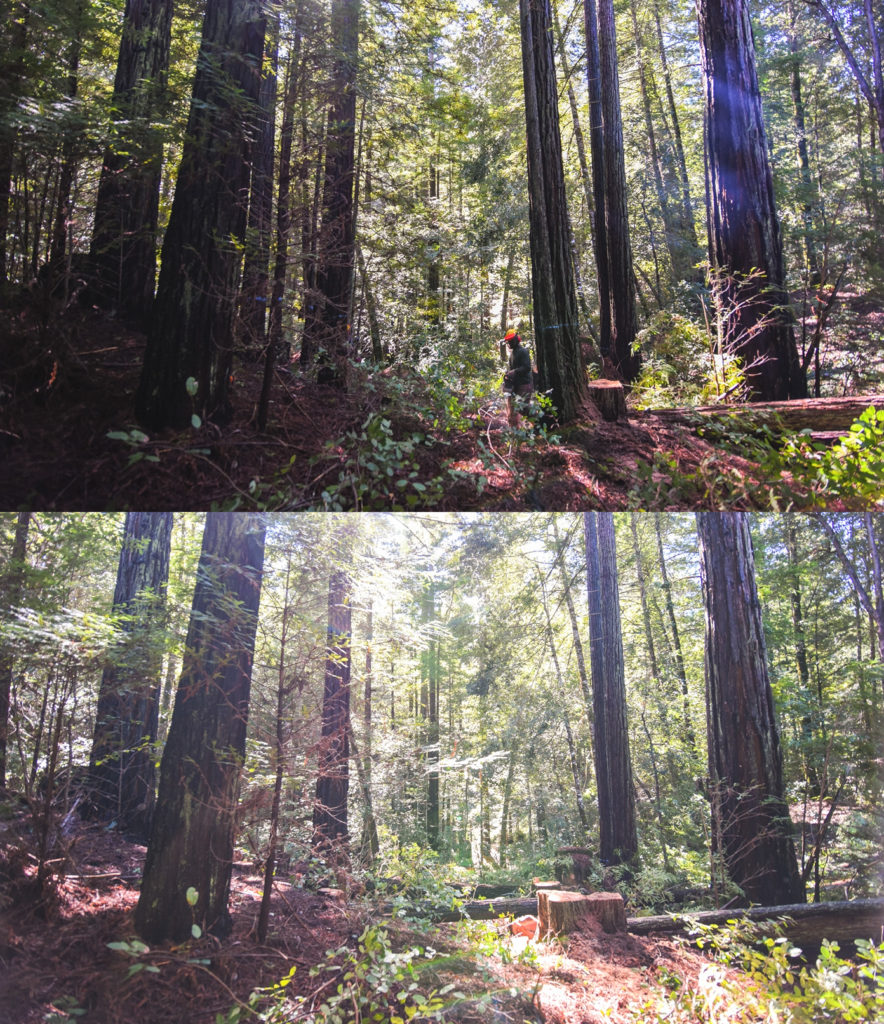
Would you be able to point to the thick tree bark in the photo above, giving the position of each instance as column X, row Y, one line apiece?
column 552, row 275
column 121, row 764
column 817, row 414
column 564, row 912
column 327, row 327
column 14, row 586
column 618, row 840
column 191, row 335
column 255, row 291
column 192, row 834
column 745, row 251
column 127, row 206
column 330, row 836
column 752, row 831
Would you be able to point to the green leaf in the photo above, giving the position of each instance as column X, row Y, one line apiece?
column 195, row 422
column 196, row 931
column 192, row 385
column 191, row 896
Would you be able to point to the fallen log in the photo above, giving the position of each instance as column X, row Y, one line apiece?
column 810, row 923
column 488, row 910
column 842, row 921
column 816, row 414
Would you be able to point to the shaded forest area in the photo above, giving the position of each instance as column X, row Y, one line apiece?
column 258, row 256
column 298, row 765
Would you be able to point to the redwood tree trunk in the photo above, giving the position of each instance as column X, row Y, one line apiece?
column 328, row 327
column 618, row 841
column 752, row 831
column 127, row 206
column 552, row 274
column 192, row 834
column 13, row 585
column 191, row 335
column 745, row 250
column 333, row 778
column 122, row 760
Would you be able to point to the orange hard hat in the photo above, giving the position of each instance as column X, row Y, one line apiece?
column 510, row 335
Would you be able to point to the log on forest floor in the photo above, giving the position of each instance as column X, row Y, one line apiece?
column 842, row 921
column 810, row 923
column 824, row 415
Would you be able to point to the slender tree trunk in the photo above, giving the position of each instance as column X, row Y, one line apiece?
column 69, row 147
column 12, row 79
column 14, row 588
column 121, row 764
column 189, row 352
column 745, row 250
column 618, row 840
column 124, row 234
column 330, row 836
column 192, row 833
column 808, row 192
column 370, row 845
column 753, row 833
column 552, row 276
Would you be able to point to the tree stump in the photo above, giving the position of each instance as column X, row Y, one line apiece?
column 539, row 884
column 609, row 399
column 563, row 912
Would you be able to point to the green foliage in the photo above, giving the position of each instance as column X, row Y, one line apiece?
column 772, row 982
column 852, row 469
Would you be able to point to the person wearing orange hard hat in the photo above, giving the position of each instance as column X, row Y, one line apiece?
column 518, row 381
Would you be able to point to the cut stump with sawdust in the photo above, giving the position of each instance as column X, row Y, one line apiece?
column 563, row 912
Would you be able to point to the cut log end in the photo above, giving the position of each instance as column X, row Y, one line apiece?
column 564, row 912
column 609, row 398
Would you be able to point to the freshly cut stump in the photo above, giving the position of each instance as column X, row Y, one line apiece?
column 540, row 885
column 609, row 399
column 563, row 912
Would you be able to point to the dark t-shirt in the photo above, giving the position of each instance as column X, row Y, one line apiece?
column 519, row 376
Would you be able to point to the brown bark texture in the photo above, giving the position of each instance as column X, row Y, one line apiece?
column 745, row 249
column 751, row 828
column 552, row 275
column 191, row 334
column 192, row 833
column 13, row 586
column 127, row 205
column 816, row 414
column 333, row 777
column 121, row 765
column 618, row 840
column 326, row 326
column 565, row 912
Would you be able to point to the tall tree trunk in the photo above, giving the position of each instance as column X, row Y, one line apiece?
column 745, row 251
column 330, row 836
column 610, row 187
column 552, row 276
column 370, row 844
column 14, row 588
column 328, row 328
column 753, row 831
column 190, row 343
column 618, row 840
column 69, row 146
column 808, row 191
column 254, row 293
column 12, row 78
column 121, row 764
column 124, row 233
column 192, row 834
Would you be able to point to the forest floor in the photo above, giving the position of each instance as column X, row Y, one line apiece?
column 394, row 440
column 56, row 965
